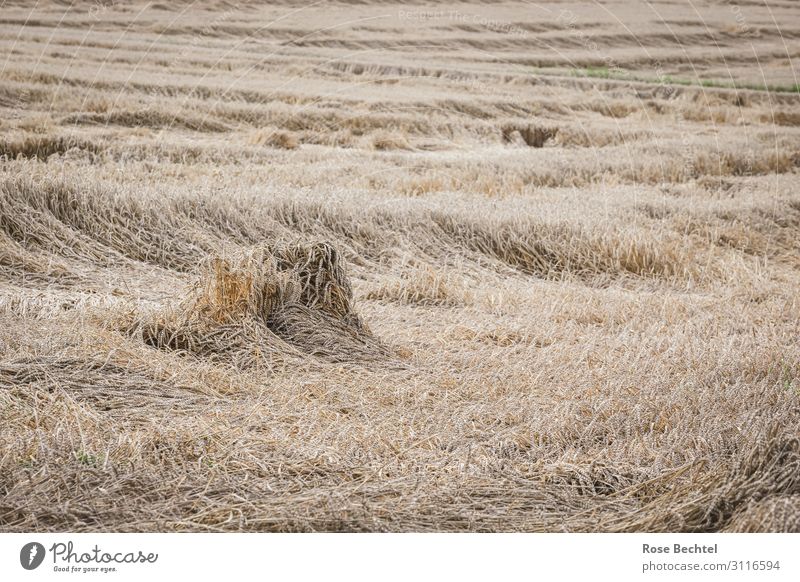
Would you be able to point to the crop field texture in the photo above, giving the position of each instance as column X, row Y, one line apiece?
column 374, row 266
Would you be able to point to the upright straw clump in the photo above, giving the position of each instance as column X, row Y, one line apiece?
column 288, row 298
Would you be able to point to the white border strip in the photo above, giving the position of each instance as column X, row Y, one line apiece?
column 373, row 557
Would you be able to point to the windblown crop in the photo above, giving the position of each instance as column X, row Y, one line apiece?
column 262, row 273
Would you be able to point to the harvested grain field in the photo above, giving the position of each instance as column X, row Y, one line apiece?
column 369, row 266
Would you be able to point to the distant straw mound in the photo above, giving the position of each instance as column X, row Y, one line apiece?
column 267, row 305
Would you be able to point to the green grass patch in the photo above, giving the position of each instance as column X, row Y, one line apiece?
column 88, row 459
column 622, row 75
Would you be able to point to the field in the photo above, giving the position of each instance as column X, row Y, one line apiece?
column 373, row 266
